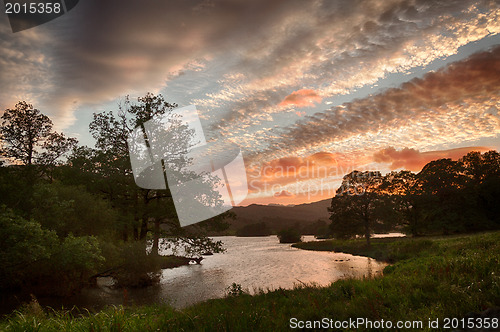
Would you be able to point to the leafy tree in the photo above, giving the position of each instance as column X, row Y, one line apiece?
column 447, row 205
column 483, row 170
column 28, row 137
column 491, row 159
column 441, row 175
column 22, row 243
column 109, row 166
column 36, row 260
column 489, row 201
column 403, row 195
column 111, row 171
column 71, row 209
column 358, row 207
column 27, row 140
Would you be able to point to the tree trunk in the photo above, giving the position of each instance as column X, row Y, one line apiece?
column 136, row 216
column 156, row 237
column 367, row 225
column 144, row 227
column 367, row 231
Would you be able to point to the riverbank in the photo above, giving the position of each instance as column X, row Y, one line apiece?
column 433, row 278
column 386, row 249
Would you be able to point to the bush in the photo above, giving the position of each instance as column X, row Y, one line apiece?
column 234, row 290
column 289, row 236
column 71, row 209
column 24, row 246
column 35, row 260
column 137, row 268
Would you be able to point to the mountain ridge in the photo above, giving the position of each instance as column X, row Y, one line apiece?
column 278, row 217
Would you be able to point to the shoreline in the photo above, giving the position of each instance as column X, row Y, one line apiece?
column 432, row 278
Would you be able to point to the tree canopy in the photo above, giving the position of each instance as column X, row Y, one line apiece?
column 28, row 138
column 446, row 196
column 71, row 218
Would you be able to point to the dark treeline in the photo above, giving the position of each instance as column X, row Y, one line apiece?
column 257, row 229
column 268, row 226
column 446, row 197
column 70, row 212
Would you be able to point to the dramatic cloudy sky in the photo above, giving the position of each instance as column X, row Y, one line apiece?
column 309, row 90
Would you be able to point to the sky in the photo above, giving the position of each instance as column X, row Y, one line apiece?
column 308, row 90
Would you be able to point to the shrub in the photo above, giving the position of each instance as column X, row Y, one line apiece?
column 137, row 268
column 36, row 260
column 289, row 236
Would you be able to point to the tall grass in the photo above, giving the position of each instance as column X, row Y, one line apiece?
column 432, row 278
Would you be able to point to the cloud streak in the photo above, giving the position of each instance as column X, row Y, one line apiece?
column 275, row 48
column 301, row 98
column 459, row 100
column 414, row 160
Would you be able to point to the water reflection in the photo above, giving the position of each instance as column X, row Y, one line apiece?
column 260, row 263
column 256, row 263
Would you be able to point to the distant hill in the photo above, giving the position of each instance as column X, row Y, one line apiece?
column 278, row 217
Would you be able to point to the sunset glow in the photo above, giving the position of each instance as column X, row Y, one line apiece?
column 308, row 90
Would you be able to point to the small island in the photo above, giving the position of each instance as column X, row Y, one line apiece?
column 289, row 235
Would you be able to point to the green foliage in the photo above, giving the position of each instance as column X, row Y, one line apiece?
column 382, row 249
column 235, row 290
column 456, row 277
column 289, row 235
column 24, row 247
column 15, row 189
column 36, row 260
column 446, row 197
column 71, row 265
column 137, row 268
column 64, row 224
column 71, row 209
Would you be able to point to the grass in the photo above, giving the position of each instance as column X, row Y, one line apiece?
column 389, row 250
column 431, row 278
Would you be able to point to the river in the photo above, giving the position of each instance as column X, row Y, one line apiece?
column 253, row 262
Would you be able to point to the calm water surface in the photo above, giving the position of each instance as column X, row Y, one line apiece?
column 253, row 262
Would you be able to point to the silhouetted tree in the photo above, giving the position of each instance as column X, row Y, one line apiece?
column 403, row 196
column 28, row 137
column 112, row 173
column 358, row 207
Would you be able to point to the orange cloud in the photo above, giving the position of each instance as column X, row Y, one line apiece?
column 320, row 164
column 316, row 170
column 415, row 160
column 452, row 105
column 301, row 98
